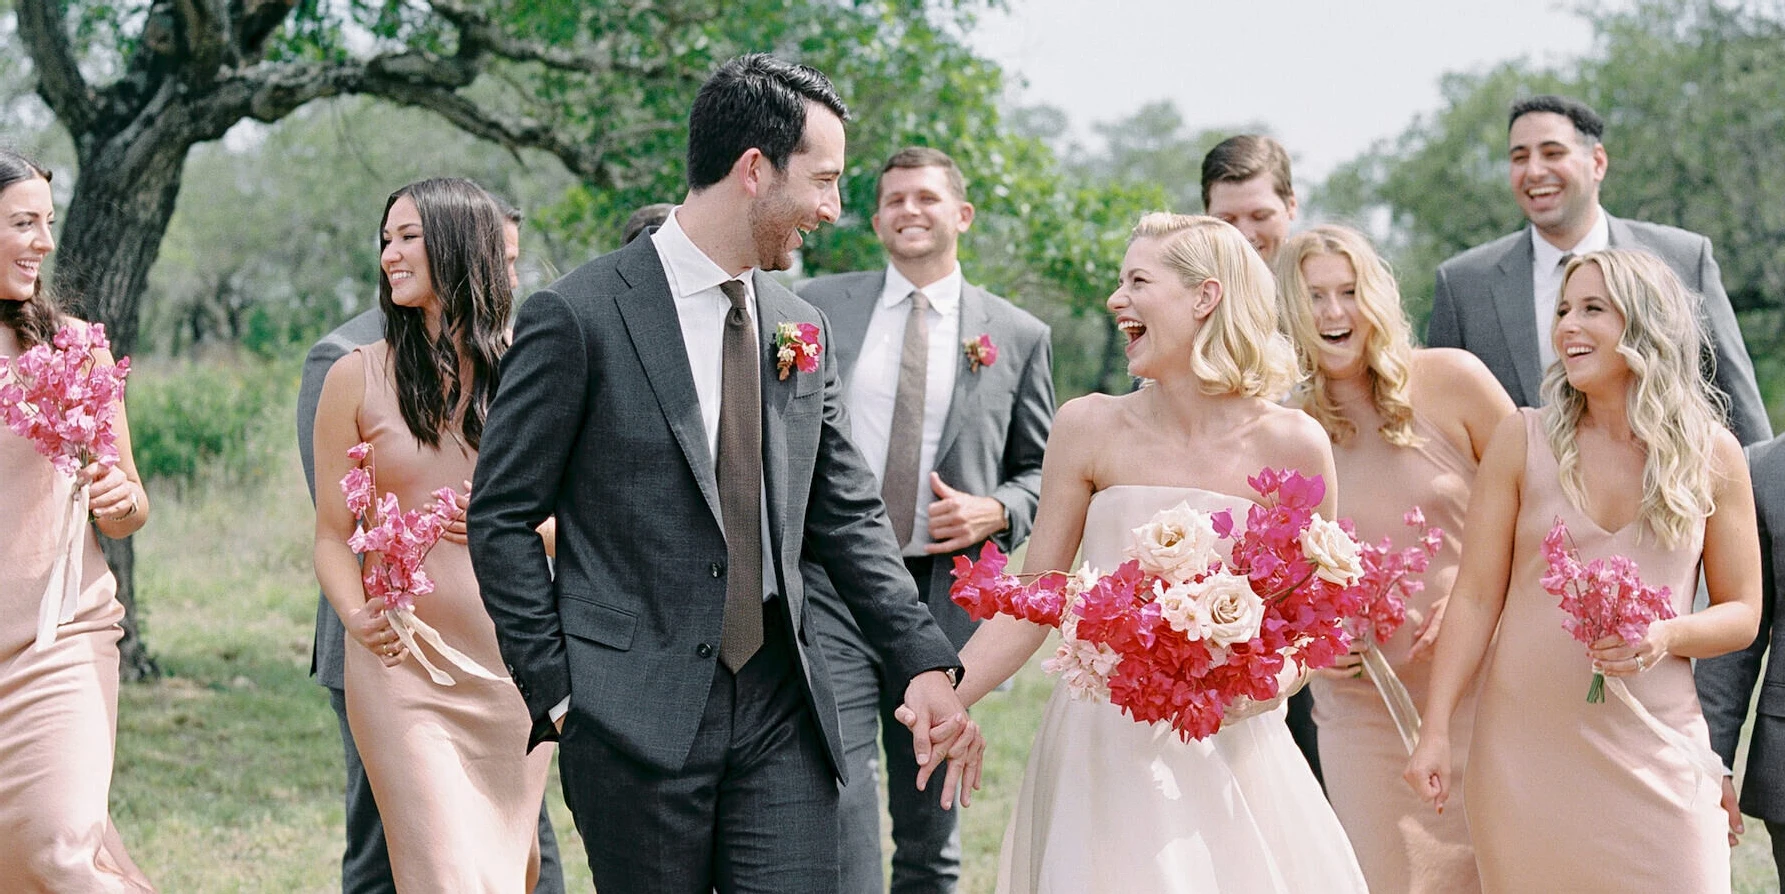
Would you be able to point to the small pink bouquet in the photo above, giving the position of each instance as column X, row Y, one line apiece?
column 58, row 397
column 1601, row 597
column 396, row 544
column 1389, row 579
column 796, row 347
column 1177, row 633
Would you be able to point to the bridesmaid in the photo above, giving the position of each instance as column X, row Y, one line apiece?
column 1408, row 427
column 448, row 766
column 1566, row 795
column 58, row 705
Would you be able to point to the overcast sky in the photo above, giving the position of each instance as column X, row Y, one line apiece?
column 1329, row 77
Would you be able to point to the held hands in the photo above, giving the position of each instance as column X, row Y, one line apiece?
column 1428, row 770
column 110, row 494
column 369, row 627
column 941, row 730
column 1615, row 658
column 959, row 519
column 1728, row 803
column 455, row 532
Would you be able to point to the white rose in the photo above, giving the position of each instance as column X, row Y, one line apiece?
column 1335, row 555
column 1234, row 612
column 1177, row 544
column 1182, row 607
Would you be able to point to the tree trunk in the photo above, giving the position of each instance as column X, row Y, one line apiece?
column 122, row 201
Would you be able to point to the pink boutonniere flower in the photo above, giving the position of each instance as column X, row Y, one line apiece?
column 796, row 347
column 980, row 352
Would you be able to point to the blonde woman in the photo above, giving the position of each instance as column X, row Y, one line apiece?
column 1108, row 804
column 1408, row 428
column 1630, row 451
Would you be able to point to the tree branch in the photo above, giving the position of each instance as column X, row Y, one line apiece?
column 583, row 158
column 201, row 29
column 59, row 79
column 476, row 31
column 255, row 24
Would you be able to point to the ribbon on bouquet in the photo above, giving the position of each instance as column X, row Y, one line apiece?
column 61, row 596
column 1699, row 755
column 410, row 628
column 1394, row 694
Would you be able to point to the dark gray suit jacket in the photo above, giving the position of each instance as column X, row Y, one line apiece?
column 998, row 418
column 1483, row 304
column 1726, row 683
column 596, row 420
column 368, row 327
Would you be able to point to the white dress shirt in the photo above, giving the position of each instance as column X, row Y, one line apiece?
column 874, row 384
column 1546, row 279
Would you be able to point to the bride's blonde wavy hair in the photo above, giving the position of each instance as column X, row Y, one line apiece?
column 1671, row 410
column 1388, row 353
column 1238, row 350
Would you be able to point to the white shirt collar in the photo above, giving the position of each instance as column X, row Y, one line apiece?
column 944, row 294
column 688, row 269
column 1545, row 256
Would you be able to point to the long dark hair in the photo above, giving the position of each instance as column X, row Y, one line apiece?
column 448, row 381
column 37, row 319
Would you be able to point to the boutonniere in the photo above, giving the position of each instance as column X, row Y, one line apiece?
column 796, row 347
column 980, row 352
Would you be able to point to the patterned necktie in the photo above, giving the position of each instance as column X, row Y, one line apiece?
column 740, row 483
column 898, row 485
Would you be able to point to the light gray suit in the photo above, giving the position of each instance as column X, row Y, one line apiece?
column 365, row 864
column 1726, row 683
column 995, row 431
column 1483, row 304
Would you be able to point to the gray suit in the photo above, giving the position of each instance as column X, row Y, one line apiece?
column 995, row 430
column 365, row 864
column 1484, row 305
column 682, row 775
column 1726, row 683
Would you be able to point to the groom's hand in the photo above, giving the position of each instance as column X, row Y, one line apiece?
column 942, row 731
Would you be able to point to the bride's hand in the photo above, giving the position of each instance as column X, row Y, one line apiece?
column 1290, row 680
column 1348, row 666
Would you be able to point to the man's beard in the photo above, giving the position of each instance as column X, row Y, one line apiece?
column 773, row 220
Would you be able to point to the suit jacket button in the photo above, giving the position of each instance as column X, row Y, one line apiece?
column 716, row 569
column 704, row 650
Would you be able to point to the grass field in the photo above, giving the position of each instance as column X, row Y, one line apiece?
column 228, row 772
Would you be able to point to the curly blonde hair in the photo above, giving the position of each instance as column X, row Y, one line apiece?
column 1671, row 410
column 1388, row 353
column 1238, row 350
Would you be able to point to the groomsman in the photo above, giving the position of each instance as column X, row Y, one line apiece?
column 1498, row 300
column 1726, row 683
column 956, row 437
column 1247, row 183
column 365, row 864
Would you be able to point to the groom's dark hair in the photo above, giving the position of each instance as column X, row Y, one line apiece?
column 1586, row 122
column 753, row 102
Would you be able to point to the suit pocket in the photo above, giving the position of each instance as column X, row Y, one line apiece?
column 1772, row 699
column 586, row 619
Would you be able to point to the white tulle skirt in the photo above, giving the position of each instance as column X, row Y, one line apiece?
column 1110, row 805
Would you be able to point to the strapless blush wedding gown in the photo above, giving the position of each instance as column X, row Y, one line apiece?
column 1111, row 805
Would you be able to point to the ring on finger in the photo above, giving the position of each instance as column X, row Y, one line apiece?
column 1641, row 665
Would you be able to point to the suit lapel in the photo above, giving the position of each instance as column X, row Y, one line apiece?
column 965, row 400
column 649, row 313
column 1618, row 235
column 850, row 318
column 1516, row 306
column 771, row 311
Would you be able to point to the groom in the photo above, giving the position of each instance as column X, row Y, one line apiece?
column 664, row 404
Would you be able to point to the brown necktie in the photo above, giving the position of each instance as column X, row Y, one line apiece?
column 740, row 483
column 898, row 485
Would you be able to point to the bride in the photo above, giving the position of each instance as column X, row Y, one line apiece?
column 1108, row 804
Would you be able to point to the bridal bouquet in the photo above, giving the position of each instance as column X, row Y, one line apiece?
column 401, row 541
column 1607, row 596
column 55, row 396
column 1388, row 580
column 1177, row 633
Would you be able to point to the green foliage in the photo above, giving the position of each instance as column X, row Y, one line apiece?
column 213, row 420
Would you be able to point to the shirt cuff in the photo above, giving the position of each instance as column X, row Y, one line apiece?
column 559, row 710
